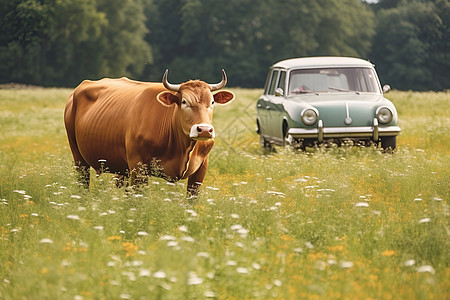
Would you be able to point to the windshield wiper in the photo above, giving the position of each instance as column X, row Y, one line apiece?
column 341, row 90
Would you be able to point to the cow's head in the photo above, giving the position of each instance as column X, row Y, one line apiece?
column 195, row 102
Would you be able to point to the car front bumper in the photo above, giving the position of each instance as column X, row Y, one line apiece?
column 320, row 133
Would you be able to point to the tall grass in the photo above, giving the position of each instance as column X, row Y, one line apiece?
column 341, row 223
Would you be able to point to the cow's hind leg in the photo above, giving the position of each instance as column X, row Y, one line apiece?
column 83, row 173
column 81, row 165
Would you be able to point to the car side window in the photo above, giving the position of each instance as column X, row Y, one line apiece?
column 282, row 82
column 273, row 82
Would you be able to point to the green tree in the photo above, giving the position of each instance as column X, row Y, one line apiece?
column 52, row 42
column 411, row 48
column 196, row 38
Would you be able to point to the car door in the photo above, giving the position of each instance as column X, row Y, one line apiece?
column 276, row 111
column 264, row 104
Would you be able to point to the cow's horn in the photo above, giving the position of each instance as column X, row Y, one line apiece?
column 218, row 86
column 169, row 86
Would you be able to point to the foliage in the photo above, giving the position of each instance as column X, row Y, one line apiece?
column 411, row 47
column 60, row 43
column 340, row 223
column 53, row 42
column 198, row 38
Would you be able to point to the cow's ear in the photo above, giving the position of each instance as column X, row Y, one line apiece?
column 167, row 98
column 223, row 97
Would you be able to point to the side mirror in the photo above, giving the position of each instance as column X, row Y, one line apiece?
column 386, row 88
column 279, row 92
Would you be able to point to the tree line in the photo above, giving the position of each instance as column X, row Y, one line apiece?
column 60, row 43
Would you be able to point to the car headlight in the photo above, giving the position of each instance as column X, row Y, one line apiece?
column 309, row 116
column 384, row 115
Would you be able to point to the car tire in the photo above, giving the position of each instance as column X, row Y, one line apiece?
column 264, row 143
column 388, row 142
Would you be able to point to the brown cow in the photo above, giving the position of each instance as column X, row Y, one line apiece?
column 129, row 128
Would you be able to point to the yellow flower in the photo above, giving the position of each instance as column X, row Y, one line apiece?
column 388, row 252
column 130, row 248
column 114, row 237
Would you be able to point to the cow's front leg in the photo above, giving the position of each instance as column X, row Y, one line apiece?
column 139, row 175
column 196, row 180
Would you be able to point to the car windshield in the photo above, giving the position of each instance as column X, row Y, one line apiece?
column 333, row 80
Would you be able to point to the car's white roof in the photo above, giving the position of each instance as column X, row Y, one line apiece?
column 320, row 62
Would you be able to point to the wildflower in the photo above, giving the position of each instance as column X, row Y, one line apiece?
column 236, row 227
column 425, row 268
column 144, row 273
column 73, row 217
column 113, row 238
column 203, row 254
column 172, row 244
column 160, row 274
column 231, row 263
column 362, row 204
column 194, row 279
column 242, row 270
column 167, row 238
column 192, row 212
column 209, row 294
column 142, row 233
column 188, row 239
column 256, row 266
column 130, row 275
column 409, row 263
column 243, row 232
column 46, row 241
column 276, row 193
column 346, row 264
column 235, row 216
column 277, row 282
column 98, row 227
column 388, row 252
column 110, row 263
column 75, row 197
column 239, row 244
column 130, row 248
column 424, row 220
column 331, row 262
column 125, row 296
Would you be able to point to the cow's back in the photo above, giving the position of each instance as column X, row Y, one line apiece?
column 101, row 112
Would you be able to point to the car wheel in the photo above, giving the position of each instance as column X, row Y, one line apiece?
column 264, row 143
column 294, row 143
column 388, row 142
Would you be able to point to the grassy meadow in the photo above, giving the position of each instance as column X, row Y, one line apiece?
column 338, row 223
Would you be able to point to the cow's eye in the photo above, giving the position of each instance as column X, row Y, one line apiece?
column 212, row 102
column 184, row 102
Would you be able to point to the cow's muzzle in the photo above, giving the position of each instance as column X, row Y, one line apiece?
column 202, row 132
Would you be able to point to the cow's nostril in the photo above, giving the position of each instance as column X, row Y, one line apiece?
column 211, row 130
column 199, row 129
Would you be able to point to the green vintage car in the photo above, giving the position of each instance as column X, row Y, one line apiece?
column 314, row 100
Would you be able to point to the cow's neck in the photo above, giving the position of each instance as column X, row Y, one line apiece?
column 182, row 146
